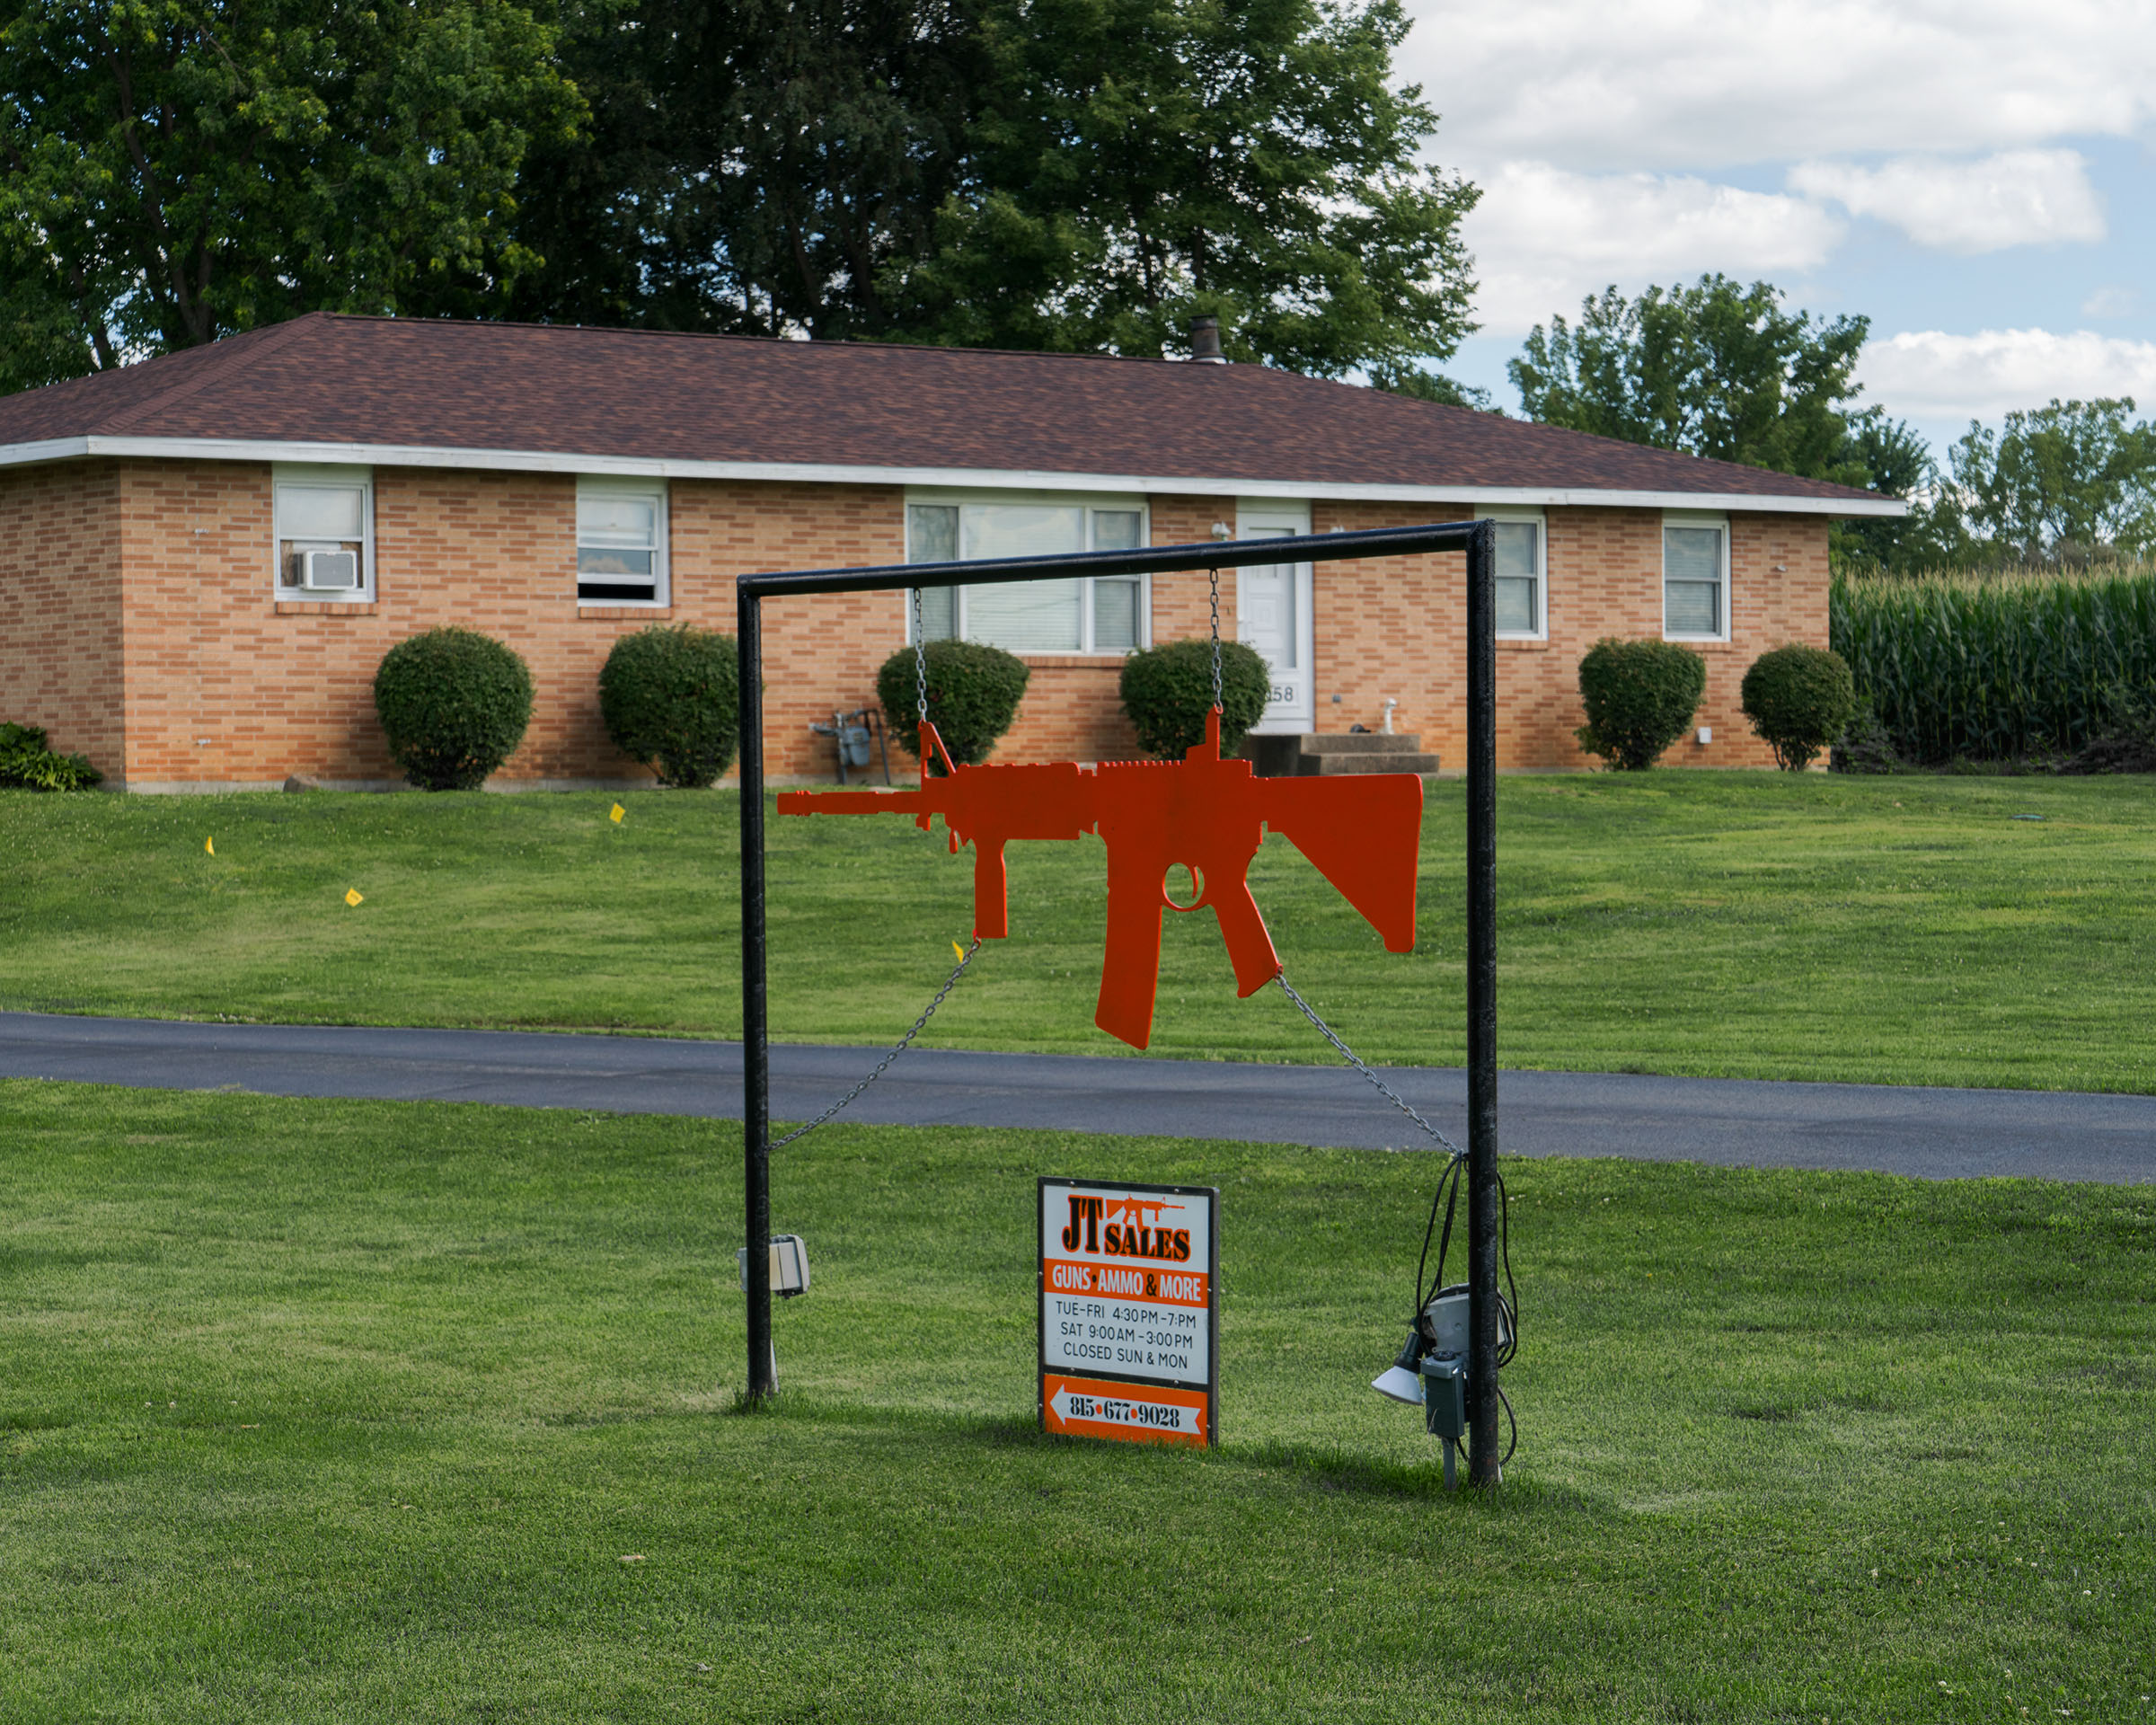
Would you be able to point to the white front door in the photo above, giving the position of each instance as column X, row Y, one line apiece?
column 1272, row 614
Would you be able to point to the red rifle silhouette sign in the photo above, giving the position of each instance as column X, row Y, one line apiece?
column 1206, row 814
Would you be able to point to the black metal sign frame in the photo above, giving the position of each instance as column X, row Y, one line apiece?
column 1477, row 540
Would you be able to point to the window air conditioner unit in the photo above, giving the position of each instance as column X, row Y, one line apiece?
column 334, row 572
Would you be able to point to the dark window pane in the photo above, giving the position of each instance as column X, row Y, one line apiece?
column 1516, row 548
column 1515, row 606
column 594, row 560
column 1115, row 616
column 1115, row 529
column 932, row 535
column 1694, row 608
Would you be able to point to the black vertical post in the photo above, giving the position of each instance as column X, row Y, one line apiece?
column 1482, row 1004
column 756, row 1025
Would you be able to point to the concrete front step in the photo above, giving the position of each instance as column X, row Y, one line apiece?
column 1316, row 754
column 1392, row 760
column 1359, row 742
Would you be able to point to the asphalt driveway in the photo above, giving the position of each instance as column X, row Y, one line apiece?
column 1934, row 1134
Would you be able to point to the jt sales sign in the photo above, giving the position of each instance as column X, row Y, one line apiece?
column 1129, row 1333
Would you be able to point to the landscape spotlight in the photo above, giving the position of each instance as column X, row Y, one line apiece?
column 1431, row 1371
column 1402, row 1379
column 788, row 1277
column 788, row 1266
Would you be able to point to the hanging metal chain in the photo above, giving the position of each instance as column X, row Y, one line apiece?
column 904, row 1041
column 1289, row 988
column 1215, row 578
column 949, row 982
column 920, row 661
column 1355, row 1060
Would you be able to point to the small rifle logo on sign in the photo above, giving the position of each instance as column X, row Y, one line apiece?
column 1132, row 1227
column 1203, row 813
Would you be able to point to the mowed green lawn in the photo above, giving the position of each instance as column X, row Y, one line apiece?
column 362, row 1412
column 1904, row 930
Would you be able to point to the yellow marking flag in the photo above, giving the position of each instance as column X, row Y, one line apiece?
column 961, row 951
column 210, row 844
column 353, row 897
column 615, row 813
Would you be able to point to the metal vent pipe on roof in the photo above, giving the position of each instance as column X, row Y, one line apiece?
column 1204, row 341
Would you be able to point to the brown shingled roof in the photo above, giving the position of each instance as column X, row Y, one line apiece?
column 646, row 395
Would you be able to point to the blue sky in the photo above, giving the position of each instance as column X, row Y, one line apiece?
column 1975, row 176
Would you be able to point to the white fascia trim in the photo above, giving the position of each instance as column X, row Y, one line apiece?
column 522, row 461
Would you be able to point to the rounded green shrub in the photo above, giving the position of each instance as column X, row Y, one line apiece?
column 1640, row 695
column 1800, row 699
column 1864, row 745
column 973, row 696
column 453, row 704
column 671, row 698
column 1167, row 691
column 27, row 764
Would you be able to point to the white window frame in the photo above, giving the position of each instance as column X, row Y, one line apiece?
column 1088, row 503
column 1540, row 519
column 1696, row 519
column 662, row 561
column 283, row 474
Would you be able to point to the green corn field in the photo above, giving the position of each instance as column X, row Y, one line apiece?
column 1995, row 667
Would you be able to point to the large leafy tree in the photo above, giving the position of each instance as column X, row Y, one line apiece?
column 1077, row 175
column 1891, row 458
column 171, row 170
column 1714, row 369
column 1726, row 371
column 1062, row 174
column 764, row 166
column 1137, row 162
column 1423, row 386
column 2071, row 474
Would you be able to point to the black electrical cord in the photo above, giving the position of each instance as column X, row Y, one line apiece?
column 1449, row 1180
column 1512, row 1305
column 1448, row 1190
column 1510, row 1422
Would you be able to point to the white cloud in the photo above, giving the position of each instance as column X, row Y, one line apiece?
column 2015, row 197
column 2114, row 299
column 1931, row 376
column 1690, row 84
column 1543, row 238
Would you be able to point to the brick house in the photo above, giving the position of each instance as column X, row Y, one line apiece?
column 204, row 557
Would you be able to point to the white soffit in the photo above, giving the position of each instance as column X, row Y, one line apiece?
column 520, row 460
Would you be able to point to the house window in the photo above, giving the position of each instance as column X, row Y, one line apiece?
column 1080, row 614
column 1521, row 599
column 1695, row 578
column 621, row 542
column 326, row 532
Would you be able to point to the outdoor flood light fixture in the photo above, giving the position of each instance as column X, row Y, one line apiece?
column 788, row 1277
column 789, row 1265
column 1431, row 1370
column 1402, row 1380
